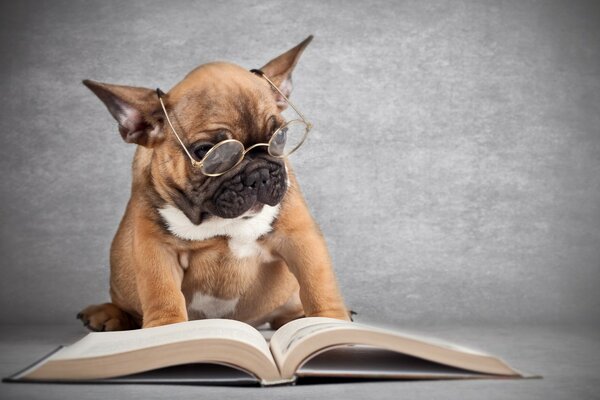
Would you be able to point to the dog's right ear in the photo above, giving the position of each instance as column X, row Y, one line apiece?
column 136, row 109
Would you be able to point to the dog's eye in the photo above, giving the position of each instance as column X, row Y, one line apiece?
column 273, row 130
column 199, row 150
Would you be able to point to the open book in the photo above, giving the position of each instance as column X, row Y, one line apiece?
column 307, row 347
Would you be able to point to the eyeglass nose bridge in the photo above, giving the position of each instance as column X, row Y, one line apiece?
column 254, row 146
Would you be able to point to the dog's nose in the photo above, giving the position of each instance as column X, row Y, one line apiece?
column 264, row 183
column 257, row 178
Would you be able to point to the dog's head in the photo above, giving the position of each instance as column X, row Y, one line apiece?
column 214, row 102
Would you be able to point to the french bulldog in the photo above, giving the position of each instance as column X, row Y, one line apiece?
column 241, row 245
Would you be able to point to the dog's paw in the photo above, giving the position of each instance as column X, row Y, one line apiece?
column 105, row 317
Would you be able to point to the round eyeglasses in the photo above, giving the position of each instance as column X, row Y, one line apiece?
column 227, row 154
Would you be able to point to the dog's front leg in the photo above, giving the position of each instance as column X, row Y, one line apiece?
column 158, row 283
column 305, row 253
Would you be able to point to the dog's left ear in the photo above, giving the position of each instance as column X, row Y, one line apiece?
column 279, row 71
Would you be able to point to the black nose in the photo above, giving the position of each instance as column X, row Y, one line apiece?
column 259, row 182
column 257, row 178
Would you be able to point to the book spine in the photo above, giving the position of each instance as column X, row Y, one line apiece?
column 281, row 382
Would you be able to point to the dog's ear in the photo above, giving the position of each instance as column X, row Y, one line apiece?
column 279, row 70
column 136, row 109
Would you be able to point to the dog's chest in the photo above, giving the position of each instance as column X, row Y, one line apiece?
column 216, row 279
column 242, row 232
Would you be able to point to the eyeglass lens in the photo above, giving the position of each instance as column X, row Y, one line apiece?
column 222, row 157
column 288, row 138
column 226, row 155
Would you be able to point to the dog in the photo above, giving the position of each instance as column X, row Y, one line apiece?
column 193, row 245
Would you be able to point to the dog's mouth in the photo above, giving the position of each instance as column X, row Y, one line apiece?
column 248, row 191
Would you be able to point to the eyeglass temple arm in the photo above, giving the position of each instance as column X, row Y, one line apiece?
column 160, row 93
column 261, row 73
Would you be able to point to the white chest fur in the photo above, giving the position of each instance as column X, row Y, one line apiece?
column 242, row 232
column 212, row 307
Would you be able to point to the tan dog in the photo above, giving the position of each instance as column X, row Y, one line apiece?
column 242, row 245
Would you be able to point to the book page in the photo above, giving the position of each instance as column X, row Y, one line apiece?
column 293, row 332
column 301, row 339
column 98, row 344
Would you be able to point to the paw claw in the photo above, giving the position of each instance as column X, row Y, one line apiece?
column 351, row 314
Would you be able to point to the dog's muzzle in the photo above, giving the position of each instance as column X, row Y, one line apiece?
column 262, row 182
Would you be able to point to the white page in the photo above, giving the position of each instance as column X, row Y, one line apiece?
column 98, row 344
column 295, row 331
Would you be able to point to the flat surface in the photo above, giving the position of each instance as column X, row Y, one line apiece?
column 568, row 357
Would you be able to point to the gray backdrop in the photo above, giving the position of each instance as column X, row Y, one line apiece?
column 454, row 165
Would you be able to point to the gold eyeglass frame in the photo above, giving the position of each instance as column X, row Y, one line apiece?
column 199, row 164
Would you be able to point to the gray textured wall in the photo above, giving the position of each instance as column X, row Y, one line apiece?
column 454, row 168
